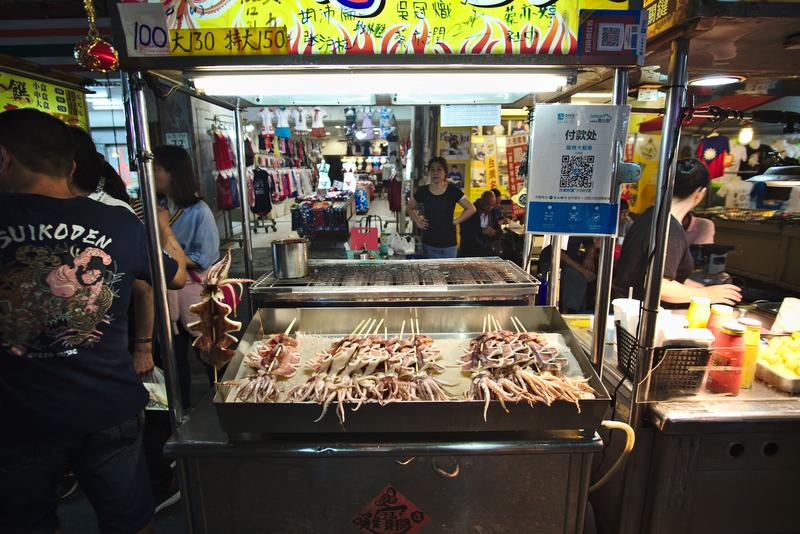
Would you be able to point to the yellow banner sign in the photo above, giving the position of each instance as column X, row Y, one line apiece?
column 228, row 42
column 18, row 92
column 457, row 27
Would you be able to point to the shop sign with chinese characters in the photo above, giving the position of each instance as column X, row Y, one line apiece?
column 18, row 91
column 570, row 187
column 350, row 27
column 516, row 150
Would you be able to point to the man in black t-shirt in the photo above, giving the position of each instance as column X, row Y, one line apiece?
column 691, row 184
column 69, row 395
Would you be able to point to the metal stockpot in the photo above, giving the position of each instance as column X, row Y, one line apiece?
column 290, row 258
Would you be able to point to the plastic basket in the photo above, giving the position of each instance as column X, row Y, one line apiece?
column 675, row 371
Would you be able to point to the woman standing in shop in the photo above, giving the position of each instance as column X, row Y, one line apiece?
column 437, row 202
column 195, row 229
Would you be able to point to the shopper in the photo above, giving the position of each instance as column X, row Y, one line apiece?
column 691, row 184
column 481, row 234
column 437, row 202
column 69, row 394
column 625, row 221
column 196, row 231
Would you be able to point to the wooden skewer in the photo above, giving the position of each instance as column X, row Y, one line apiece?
column 275, row 358
column 385, row 332
column 356, row 328
column 216, row 378
column 289, row 328
column 378, row 328
column 368, row 329
column 497, row 324
column 402, row 329
column 483, row 328
column 417, row 321
column 516, row 327
column 522, row 326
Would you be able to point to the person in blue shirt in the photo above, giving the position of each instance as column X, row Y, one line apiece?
column 196, row 230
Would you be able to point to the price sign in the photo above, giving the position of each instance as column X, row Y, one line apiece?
column 18, row 92
column 228, row 42
column 146, row 30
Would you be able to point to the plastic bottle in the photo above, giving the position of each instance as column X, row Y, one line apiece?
column 720, row 314
column 727, row 358
column 751, row 340
column 699, row 312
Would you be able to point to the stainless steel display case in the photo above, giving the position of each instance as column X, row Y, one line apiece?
column 400, row 283
column 252, row 421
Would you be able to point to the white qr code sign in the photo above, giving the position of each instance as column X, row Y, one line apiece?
column 570, row 188
column 612, row 37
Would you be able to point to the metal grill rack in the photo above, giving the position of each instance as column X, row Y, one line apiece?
column 341, row 281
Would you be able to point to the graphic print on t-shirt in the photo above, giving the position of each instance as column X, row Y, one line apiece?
column 53, row 300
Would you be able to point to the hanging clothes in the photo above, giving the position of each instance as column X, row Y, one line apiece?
column 282, row 131
column 367, row 126
column 395, row 195
column 317, row 122
column 712, row 151
column 224, row 198
column 386, row 121
column 301, row 117
column 267, row 119
column 262, row 191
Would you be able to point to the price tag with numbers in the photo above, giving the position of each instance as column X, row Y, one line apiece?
column 146, row 30
column 228, row 42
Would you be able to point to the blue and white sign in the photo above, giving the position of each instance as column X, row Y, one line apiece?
column 570, row 185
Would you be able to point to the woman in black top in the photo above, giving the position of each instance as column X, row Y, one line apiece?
column 438, row 202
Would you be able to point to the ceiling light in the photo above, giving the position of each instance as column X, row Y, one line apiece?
column 713, row 81
column 592, row 95
column 405, row 82
column 745, row 135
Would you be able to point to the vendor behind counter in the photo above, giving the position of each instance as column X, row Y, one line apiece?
column 691, row 186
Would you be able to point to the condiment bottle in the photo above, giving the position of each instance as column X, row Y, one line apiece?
column 720, row 314
column 699, row 312
column 751, row 339
column 727, row 358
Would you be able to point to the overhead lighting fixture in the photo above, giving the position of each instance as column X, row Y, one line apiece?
column 746, row 135
column 592, row 95
column 409, row 83
column 714, row 81
column 779, row 176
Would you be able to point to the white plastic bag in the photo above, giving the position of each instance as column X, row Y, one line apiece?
column 402, row 244
column 156, row 386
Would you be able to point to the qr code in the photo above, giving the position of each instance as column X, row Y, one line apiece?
column 612, row 37
column 576, row 172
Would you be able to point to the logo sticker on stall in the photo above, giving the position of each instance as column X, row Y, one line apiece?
column 390, row 512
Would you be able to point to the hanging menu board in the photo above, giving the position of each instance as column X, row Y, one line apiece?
column 18, row 91
column 385, row 27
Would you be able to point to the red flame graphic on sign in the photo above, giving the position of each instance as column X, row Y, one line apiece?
column 390, row 44
column 419, row 41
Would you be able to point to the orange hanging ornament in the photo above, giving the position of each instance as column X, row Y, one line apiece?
column 94, row 53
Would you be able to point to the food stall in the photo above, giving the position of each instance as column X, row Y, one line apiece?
column 706, row 461
column 412, row 426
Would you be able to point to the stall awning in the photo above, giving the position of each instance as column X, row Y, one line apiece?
column 737, row 102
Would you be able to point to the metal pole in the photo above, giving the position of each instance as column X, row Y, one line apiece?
column 137, row 118
column 144, row 165
column 605, row 270
column 670, row 136
column 247, row 243
column 555, row 269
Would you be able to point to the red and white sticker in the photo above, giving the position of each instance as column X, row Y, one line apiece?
column 390, row 512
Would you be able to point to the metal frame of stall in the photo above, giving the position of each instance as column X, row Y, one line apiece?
column 137, row 69
column 676, row 37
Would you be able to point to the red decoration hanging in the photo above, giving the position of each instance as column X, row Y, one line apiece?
column 94, row 53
